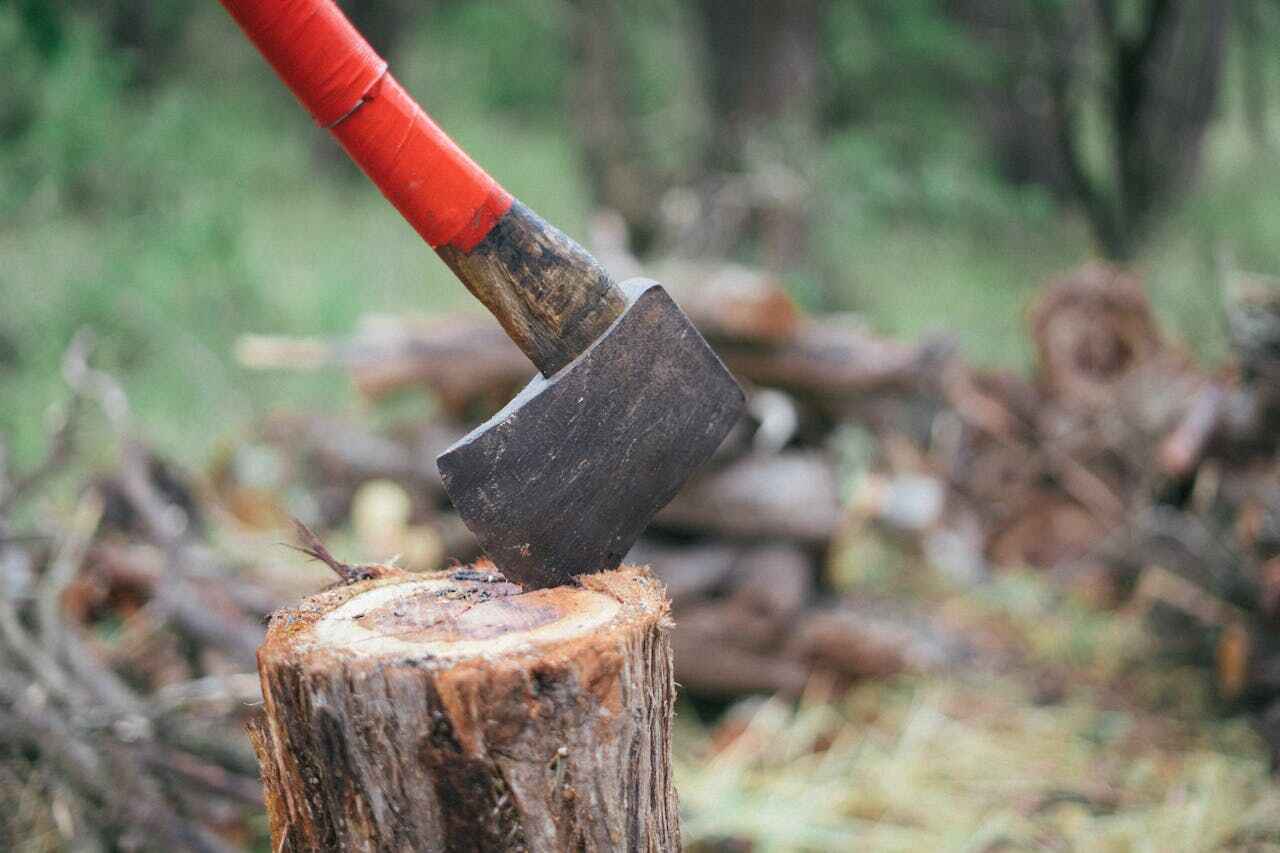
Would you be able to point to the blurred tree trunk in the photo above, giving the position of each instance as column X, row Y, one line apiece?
column 1163, row 77
column 764, row 59
column 620, row 177
column 1255, row 38
column 762, row 63
column 1142, row 78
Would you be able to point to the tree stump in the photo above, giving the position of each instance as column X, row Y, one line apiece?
column 452, row 712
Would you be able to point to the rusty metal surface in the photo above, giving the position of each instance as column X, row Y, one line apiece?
column 563, row 479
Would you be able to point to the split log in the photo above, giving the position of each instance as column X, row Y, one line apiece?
column 466, row 361
column 732, row 303
column 449, row 712
column 785, row 496
column 1091, row 328
column 833, row 365
column 870, row 640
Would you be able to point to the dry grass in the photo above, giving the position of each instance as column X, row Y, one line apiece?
column 1079, row 739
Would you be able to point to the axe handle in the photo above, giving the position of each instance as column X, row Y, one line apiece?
column 548, row 293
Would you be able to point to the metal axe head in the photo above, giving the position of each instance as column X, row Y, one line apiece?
column 563, row 479
column 630, row 400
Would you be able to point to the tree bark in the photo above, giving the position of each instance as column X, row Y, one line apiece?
column 451, row 712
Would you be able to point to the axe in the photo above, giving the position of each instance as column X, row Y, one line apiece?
column 630, row 399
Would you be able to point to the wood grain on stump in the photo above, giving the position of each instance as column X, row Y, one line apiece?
column 451, row 712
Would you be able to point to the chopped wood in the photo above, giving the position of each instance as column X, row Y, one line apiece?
column 732, row 303
column 870, row 640
column 791, row 495
column 1091, row 328
column 832, row 365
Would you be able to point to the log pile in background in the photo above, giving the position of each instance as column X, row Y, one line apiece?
column 1116, row 460
column 742, row 547
column 1124, row 467
column 127, row 635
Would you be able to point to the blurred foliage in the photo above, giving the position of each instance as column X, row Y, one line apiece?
column 520, row 64
column 158, row 184
column 903, row 132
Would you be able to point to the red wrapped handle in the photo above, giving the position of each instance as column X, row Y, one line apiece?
column 346, row 87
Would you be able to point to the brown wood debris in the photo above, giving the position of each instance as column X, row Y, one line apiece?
column 1117, row 465
column 1022, row 470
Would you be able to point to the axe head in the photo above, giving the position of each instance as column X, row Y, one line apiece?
column 563, row 479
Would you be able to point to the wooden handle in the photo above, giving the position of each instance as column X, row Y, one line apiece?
column 549, row 294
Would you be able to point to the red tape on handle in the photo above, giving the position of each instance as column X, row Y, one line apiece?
column 345, row 86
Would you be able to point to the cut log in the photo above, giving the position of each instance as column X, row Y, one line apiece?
column 465, row 360
column 1092, row 327
column 732, row 303
column 871, row 640
column 833, row 365
column 451, row 712
column 785, row 496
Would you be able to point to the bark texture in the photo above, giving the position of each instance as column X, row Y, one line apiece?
column 451, row 712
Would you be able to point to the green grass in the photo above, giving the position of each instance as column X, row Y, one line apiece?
column 214, row 209
column 175, row 218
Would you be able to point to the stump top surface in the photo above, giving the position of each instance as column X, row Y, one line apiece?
column 450, row 616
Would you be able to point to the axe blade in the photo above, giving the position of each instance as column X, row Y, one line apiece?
column 563, row 479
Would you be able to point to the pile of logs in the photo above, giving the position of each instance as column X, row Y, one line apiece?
column 1124, row 469
column 741, row 548
column 1115, row 462
column 1118, row 466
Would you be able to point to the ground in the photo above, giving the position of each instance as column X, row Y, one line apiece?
column 1073, row 734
